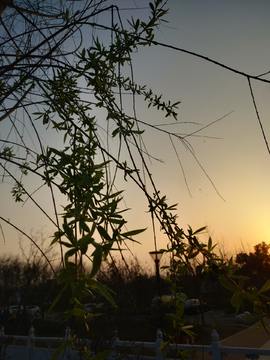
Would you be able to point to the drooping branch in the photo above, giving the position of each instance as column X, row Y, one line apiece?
column 258, row 116
column 9, row 3
column 176, row 48
column 8, row 113
column 255, row 77
column 32, row 241
column 4, row 4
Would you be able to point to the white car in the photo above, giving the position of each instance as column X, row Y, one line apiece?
column 89, row 308
column 15, row 308
column 33, row 310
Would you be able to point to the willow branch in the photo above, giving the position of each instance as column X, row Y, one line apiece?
column 9, row 3
column 33, row 241
column 3, row 5
column 258, row 116
column 17, row 103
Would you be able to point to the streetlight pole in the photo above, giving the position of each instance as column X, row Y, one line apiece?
column 156, row 256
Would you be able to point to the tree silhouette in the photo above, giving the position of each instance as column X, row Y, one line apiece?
column 255, row 264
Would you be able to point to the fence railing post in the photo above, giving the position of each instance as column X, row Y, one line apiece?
column 158, row 343
column 216, row 346
column 113, row 346
column 31, row 343
column 66, row 352
column 31, row 338
column 2, row 331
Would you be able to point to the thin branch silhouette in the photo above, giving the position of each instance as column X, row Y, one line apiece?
column 258, row 116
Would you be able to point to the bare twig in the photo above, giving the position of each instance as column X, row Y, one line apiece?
column 258, row 116
column 17, row 103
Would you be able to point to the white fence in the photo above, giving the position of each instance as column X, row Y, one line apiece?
column 9, row 350
column 30, row 352
column 215, row 350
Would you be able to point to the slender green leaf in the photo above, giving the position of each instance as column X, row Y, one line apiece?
column 236, row 300
column 79, row 288
column 102, row 356
column 209, row 246
column 103, row 233
column 66, row 244
column 61, row 348
column 164, row 345
column 85, row 240
column 102, row 289
column 164, row 299
column 83, row 226
column 97, row 259
column 265, row 287
column 133, row 232
column 68, row 232
column 187, row 353
column 70, row 253
column 228, row 285
column 77, row 312
column 241, row 282
column 239, row 277
column 59, row 295
column 57, row 236
column 199, row 230
column 193, row 254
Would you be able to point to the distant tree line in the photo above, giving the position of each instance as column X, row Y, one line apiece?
column 28, row 280
column 21, row 281
column 256, row 264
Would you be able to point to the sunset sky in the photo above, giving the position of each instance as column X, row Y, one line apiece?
column 229, row 175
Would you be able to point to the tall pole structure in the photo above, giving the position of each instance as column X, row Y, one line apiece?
column 156, row 256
